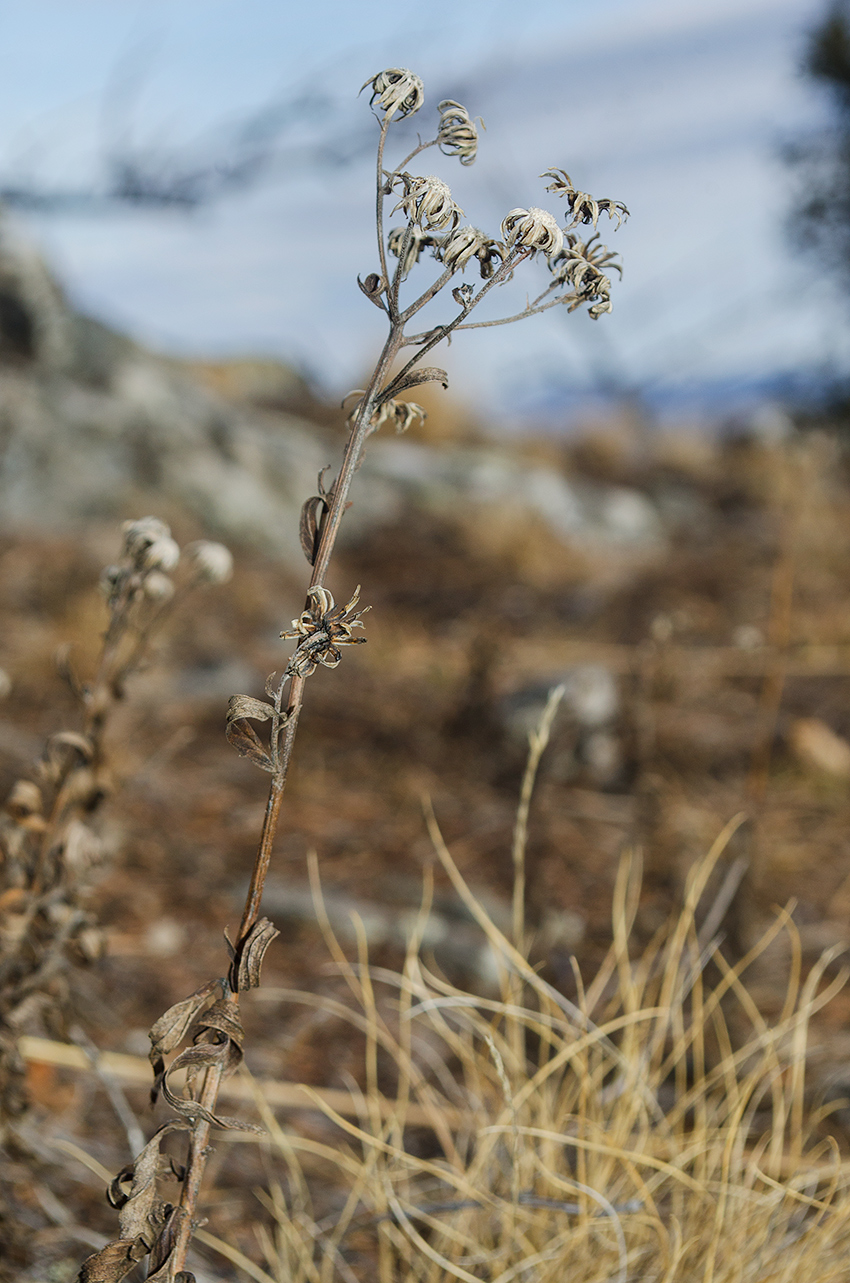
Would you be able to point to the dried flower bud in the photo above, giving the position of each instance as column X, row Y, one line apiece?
column 597, row 310
column 464, row 243
column 162, row 554
column 397, row 90
column 402, row 414
column 157, row 586
column 139, row 535
column 535, row 228
column 428, row 202
column 211, row 562
column 414, row 239
column 457, row 135
column 583, row 207
column 580, row 264
column 321, row 629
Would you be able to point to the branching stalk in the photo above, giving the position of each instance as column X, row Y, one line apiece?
column 209, row 1019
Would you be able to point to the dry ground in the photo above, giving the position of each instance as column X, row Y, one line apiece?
column 728, row 645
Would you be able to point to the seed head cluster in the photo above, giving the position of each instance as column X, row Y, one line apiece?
column 321, row 629
column 583, row 207
column 457, row 134
column 396, row 90
column 534, row 229
column 428, row 202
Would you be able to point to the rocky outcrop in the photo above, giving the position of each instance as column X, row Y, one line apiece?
column 93, row 426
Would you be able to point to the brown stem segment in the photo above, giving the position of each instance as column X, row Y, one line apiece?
column 195, row 1166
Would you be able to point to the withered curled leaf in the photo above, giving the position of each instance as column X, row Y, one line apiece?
column 239, row 706
column 218, row 1039
column 428, row 374
column 142, row 1213
column 112, row 1262
column 373, row 288
column 243, row 737
column 171, row 1028
column 71, row 739
column 308, row 526
column 247, row 956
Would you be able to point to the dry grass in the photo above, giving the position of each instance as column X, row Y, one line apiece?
column 658, row 1128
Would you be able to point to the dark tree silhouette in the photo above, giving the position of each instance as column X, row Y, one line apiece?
column 821, row 213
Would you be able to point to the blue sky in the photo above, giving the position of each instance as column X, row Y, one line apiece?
column 678, row 107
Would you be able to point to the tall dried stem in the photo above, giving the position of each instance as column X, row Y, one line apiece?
column 208, row 1021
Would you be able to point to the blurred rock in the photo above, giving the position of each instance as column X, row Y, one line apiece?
column 575, row 511
column 816, row 746
column 584, row 738
column 93, row 426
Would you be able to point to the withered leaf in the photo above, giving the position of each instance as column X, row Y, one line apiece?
column 243, row 737
column 142, row 1213
column 162, row 1275
column 248, row 955
column 373, row 288
column 428, row 374
column 171, row 1028
column 219, row 1036
column 239, row 706
column 112, row 1262
column 308, row 527
column 70, row 739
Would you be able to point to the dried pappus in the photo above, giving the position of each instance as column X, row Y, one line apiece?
column 402, row 414
column 428, row 202
column 457, row 134
column 409, row 241
column 140, row 534
column 456, row 249
column 157, row 586
column 323, row 627
column 396, row 90
column 583, row 207
column 211, row 562
column 534, row 228
column 581, row 259
column 580, row 264
column 162, row 554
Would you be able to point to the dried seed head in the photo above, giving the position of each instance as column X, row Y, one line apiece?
column 580, row 264
column 139, row 535
column 396, row 90
column 534, row 228
column 464, row 243
column 211, row 562
column 162, row 554
column 157, row 586
column 428, row 202
column 457, row 134
column 583, row 207
column 410, row 242
column 402, row 414
column 322, row 628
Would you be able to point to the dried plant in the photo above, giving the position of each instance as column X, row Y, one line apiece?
column 208, row 1021
column 48, row 845
column 655, row 1128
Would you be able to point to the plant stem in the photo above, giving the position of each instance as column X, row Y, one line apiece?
column 360, row 429
column 195, row 1167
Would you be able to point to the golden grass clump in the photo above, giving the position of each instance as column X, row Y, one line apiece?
column 657, row 1128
